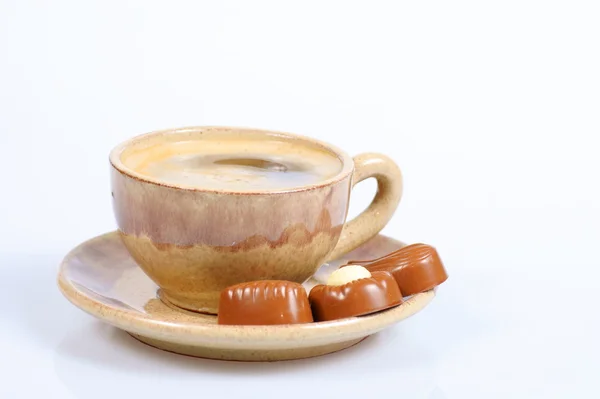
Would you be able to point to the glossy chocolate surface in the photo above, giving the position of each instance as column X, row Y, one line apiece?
column 356, row 298
column 416, row 268
column 264, row 302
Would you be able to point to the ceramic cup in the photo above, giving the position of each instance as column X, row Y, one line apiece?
column 193, row 242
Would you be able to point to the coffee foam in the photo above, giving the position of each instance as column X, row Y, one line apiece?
column 242, row 162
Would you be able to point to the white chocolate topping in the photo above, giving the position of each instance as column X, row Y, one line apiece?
column 348, row 274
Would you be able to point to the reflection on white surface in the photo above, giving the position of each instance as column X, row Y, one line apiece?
column 102, row 353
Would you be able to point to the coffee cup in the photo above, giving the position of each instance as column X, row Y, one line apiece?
column 203, row 208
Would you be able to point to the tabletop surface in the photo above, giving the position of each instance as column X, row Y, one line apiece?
column 490, row 109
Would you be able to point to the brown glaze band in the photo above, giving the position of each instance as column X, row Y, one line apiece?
column 264, row 303
column 357, row 298
column 416, row 268
column 169, row 215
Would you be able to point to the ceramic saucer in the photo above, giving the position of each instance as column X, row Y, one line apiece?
column 101, row 278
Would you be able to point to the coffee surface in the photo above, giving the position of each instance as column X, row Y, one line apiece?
column 234, row 164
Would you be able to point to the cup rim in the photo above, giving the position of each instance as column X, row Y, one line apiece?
column 345, row 159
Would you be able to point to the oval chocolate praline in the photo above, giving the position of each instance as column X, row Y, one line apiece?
column 356, row 298
column 416, row 268
column 265, row 302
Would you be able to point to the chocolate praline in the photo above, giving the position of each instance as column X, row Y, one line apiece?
column 416, row 268
column 356, row 298
column 265, row 302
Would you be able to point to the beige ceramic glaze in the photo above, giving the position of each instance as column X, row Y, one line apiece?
column 194, row 242
column 100, row 277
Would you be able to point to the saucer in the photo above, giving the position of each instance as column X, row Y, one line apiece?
column 100, row 277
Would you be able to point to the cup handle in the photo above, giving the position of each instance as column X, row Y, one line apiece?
column 373, row 219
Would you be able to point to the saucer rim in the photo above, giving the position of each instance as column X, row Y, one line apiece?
column 305, row 334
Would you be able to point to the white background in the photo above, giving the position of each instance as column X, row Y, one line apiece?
column 492, row 110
